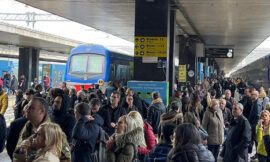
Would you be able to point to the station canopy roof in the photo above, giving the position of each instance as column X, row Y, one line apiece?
column 243, row 24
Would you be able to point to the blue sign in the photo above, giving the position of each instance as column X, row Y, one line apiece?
column 145, row 88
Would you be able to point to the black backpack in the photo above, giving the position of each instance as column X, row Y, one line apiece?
column 100, row 149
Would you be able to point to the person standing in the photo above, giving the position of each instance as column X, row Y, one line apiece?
column 115, row 111
column 247, row 102
column 263, row 123
column 22, row 84
column 13, row 84
column 254, row 116
column 235, row 148
column 155, row 110
column 3, row 130
column 213, row 123
column 46, row 82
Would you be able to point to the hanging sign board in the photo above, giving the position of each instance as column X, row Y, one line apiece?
column 182, row 73
column 150, row 47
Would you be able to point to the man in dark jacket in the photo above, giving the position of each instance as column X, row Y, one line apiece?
column 85, row 133
column 247, row 102
column 3, row 130
column 115, row 111
column 162, row 149
column 254, row 116
column 155, row 110
column 95, row 107
column 229, row 99
column 241, row 87
column 60, row 115
column 235, row 147
column 13, row 135
column 38, row 90
column 227, row 115
column 109, row 89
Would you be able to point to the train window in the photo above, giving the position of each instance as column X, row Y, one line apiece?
column 87, row 64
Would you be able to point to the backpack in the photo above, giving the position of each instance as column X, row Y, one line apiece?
column 100, row 149
column 145, row 106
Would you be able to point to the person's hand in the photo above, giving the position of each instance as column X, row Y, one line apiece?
column 112, row 124
column 266, row 130
column 109, row 143
column 25, row 145
column 89, row 117
column 261, row 123
column 14, row 107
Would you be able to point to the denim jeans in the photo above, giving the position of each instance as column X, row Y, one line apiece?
column 215, row 150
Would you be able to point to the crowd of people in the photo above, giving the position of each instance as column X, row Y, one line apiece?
column 117, row 126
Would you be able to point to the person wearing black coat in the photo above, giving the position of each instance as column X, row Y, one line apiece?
column 155, row 110
column 218, row 89
column 61, row 116
column 85, row 133
column 254, row 116
column 115, row 111
column 246, row 102
column 161, row 150
column 241, row 87
column 73, row 98
column 266, row 139
column 235, row 148
column 187, row 146
column 3, row 130
column 19, row 103
column 13, row 135
column 95, row 107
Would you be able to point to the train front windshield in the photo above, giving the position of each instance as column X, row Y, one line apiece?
column 92, row 65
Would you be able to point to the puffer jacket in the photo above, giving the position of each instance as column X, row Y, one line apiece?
column 155, row 110
column 124, row 145
column 3, row 102
column 191, row 153
column 213, row 123
column 259, row 138
column 170, row 117
column 149, row 139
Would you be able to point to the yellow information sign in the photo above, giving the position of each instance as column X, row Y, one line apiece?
column 150, row 47
column 182, row 73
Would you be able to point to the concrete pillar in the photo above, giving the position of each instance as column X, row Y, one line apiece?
column 151, row 22
column 171, row 60
column 29, row 64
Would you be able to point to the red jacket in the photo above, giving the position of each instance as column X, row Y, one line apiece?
column 149, row 138
column 1, row 82
column 46, row 81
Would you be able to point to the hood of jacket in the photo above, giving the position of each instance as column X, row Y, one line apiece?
column 64, row 106
column 171, row 117
column 158, row 100
column 134, row 137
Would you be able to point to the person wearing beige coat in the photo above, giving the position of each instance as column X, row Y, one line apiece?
column 213, row 123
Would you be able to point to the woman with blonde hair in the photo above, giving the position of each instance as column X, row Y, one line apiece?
column 48, row 140
column 148, row 141
column 263, row 123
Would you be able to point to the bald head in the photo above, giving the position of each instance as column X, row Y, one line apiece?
column 254, row 95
